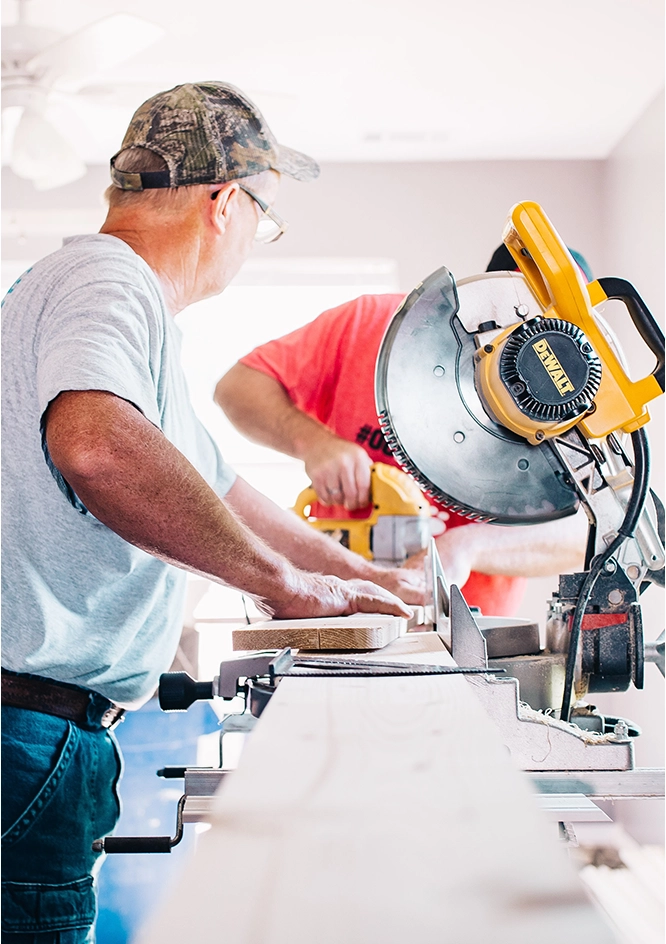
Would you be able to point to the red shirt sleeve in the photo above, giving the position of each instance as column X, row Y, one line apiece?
column 309, row 361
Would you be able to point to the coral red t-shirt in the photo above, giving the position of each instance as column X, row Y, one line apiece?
column 328, row 369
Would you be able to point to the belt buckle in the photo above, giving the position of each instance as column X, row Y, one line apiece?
column 111, row 717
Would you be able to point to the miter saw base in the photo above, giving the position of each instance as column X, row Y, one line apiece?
column 536, row 739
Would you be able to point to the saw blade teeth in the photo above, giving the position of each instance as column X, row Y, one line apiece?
column 431, row 491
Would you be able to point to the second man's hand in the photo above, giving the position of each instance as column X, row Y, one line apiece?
column 340, row 472
column 260, row 407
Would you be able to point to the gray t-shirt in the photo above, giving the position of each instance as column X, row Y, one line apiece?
column 80, row 604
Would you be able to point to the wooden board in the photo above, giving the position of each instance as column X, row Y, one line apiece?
column 377, row 809
column 338, row 633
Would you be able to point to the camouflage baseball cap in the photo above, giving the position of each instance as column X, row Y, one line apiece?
column 207, row 133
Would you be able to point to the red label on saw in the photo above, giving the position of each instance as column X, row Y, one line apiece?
column 599, row 620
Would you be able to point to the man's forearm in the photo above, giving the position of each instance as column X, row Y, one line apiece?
column 260, row 408
column 305, row 547
column 139, row 485
column 313, row 551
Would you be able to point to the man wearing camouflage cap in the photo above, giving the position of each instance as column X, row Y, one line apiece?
column 109, row 480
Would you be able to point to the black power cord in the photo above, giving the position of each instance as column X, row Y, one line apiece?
column 632, row 515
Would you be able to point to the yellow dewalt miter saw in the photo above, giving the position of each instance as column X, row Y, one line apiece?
column 398, row 524
column 506, row 397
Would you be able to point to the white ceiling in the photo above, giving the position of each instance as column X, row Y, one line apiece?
column 373, row 80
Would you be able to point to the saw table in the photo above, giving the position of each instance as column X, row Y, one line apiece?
column 378, row 809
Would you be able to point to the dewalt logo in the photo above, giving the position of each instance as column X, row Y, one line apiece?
column 556, row 372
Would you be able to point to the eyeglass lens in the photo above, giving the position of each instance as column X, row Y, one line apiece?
column 267, row 230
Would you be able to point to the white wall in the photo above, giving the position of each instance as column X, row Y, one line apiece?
column 431, row 214
column 424, row 215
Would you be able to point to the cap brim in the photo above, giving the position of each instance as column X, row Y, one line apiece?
column 295, row 164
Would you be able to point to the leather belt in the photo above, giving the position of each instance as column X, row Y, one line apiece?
column 55, row 698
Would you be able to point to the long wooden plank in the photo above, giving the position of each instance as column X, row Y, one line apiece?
column 368, row 810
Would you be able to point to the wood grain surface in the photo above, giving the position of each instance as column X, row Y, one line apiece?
column 378, row 811
column 339, row 633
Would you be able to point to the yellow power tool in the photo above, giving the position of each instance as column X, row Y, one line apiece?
column 398, row 524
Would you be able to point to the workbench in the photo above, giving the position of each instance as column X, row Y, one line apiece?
column 378, row 810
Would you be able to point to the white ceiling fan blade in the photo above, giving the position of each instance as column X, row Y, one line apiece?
column 41, row 154
column 11, row 116
column 69, row 63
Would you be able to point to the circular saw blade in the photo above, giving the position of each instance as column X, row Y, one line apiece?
column 432, row 416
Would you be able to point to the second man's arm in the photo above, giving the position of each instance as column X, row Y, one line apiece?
column 261, row 409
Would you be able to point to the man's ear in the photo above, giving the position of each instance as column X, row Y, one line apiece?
column 221, row 205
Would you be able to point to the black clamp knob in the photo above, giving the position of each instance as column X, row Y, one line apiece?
column 178, row 690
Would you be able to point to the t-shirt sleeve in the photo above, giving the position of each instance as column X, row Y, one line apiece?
column 307, row 361
column 108, row 334
column 103, row 335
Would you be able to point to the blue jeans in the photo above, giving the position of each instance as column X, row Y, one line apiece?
column 59, row 793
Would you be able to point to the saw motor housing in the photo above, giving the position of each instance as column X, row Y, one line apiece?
column 539, row 378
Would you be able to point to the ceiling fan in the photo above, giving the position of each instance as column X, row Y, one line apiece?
column 40, row 68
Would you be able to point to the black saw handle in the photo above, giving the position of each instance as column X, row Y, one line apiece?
column 642, row 318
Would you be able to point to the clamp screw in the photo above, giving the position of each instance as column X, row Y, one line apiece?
column 539, row 435
column 488, row 348
column 621, row 730
column 522, row 310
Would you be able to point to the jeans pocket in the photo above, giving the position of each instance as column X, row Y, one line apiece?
column 40, row 907
column 30, row 814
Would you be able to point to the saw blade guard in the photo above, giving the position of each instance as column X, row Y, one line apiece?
column 432, row 415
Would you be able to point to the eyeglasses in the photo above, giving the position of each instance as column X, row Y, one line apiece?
column 270, row 226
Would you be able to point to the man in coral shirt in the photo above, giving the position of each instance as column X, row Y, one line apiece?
column 310, row 394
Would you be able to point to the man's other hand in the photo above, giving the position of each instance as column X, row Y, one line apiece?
column 340, row 472
column 318, row 595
